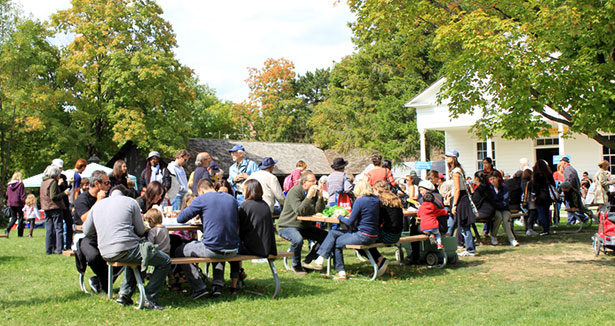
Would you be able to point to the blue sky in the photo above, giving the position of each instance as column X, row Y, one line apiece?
column 221, row 39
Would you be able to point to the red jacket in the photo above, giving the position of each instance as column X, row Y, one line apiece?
column 379, row 173
column 428, row 213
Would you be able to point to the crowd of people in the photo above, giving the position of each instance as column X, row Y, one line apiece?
column 237, row 213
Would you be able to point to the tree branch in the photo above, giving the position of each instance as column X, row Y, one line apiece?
column 553, row 118
column 438, row 4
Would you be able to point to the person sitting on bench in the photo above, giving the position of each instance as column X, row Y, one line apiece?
column 576, row 209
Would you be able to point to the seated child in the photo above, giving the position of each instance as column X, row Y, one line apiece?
column 157, row 234
column 30, row 212
column 428, row 213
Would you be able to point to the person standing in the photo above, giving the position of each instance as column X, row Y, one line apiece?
column 570, row 174
column 602, row 179
column 461, row 207
column 379, row 173
column 240, row 171
column 201, row 172
column 176, row 169
column 52, row 202
column 155, row 170
column 541, row 181
column 16, row 199
column 117, row 223
column 338, row 182
column 270, row 185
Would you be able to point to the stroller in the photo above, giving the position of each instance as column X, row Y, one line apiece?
column 605, row 238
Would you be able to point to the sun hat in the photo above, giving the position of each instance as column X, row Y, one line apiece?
column 237, row 148
column 427, row 185
column 214, row 166
column 152, row 154
column 339, row 163
column 267, row 163
column 58, row 163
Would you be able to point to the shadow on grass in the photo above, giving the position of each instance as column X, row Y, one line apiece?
column 410, row 272
column 34, row 301
column 9, row 259
column 609, row 261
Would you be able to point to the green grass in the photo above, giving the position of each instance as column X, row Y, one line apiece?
column 553, row 280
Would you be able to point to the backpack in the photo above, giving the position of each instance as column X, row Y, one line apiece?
column 288, row 183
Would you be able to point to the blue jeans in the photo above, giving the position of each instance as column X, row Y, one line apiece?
column 54, row 231
column 177, row 202
column 162, row 264
column 198, row 249
column 240, row 198
column 468, row 239
column 336, row 240
column 544, row 217
column 296, row 236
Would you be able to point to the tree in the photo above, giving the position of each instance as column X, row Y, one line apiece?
column 311, row 87
column 31, row 121
column 121, row 78
column 210, row 117
column 276, row 113
column 518, row 61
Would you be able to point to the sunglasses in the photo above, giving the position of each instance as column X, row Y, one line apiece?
column 107, row 183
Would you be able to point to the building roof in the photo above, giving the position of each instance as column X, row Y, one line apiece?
column 287, row 154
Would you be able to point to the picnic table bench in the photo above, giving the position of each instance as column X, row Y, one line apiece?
column 192, row 260
column 514, row 215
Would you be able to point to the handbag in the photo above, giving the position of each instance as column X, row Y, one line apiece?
column 465, row 186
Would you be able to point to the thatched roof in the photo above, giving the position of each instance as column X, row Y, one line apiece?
column 287, row 154
column 358, row 159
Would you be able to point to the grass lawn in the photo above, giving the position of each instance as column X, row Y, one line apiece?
column 551, row 280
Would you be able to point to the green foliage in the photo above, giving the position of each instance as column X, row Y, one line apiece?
column 210, row 117
column 311, row 87
column 121, row 77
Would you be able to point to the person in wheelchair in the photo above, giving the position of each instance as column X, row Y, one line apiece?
column 576, row 210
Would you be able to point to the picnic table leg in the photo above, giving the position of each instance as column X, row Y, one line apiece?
column 140, row 286
column 110, row 282
column 374, row 264
column 275, row 277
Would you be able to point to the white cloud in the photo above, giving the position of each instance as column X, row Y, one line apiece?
column 220, row 39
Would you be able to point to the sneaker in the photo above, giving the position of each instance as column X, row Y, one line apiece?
column 520, row 223
column 152, row 305
column 544, row 233
column 298, row 270
column 384, row 264
column 514, row 243
column 440, row 246
column 432, row 239
column 124, row 300
column 340, row 277
column 312, row 265
column 94, row 284
column 466, row 254
column 531, row 232
column 199, row 294
column 494, row 241
column 216, row 291
column 554, row 226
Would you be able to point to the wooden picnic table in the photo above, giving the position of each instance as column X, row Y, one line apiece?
column 174, row 227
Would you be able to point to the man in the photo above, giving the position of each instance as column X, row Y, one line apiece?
column 272, row 190
column 574, row 204
column 64, row 185
column 178, row 174
column 155, row 170
column 201, row 172
column 240, row 171
column 218, row 211
column 570, row 174
column 118, row 224
column 87, row 248
column 302, row 200
column 52, row 202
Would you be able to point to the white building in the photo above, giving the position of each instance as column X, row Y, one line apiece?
column 585, row 153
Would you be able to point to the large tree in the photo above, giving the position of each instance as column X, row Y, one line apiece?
column 121, row 77
column 519, row 62
column 31, row 121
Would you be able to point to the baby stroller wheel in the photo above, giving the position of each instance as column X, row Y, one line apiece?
column 597, row 244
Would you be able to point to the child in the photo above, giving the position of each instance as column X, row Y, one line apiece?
column 30, row 212
column 428, row 213
column 157, row 234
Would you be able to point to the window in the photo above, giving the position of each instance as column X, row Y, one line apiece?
column 609, row 155
column 481, row 153
column 547, row 141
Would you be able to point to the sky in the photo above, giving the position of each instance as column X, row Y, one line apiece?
column 219, row 40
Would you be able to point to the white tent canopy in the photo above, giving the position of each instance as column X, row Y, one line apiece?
column 35, row 181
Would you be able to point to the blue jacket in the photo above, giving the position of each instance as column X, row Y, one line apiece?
column 365, row 216
column 218, row 212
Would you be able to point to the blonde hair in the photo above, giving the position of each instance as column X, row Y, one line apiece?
column 153, row 217
column 362, row 188
column 387, row 198
column 560, row 166
column 187, row 200
column 31, row 200
column 16, row 176
column 604, row 164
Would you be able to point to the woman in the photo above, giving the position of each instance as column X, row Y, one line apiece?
column 16, row 199
column 586, row 182
column 119, row 175
column 558, row 177
column 602, row 179
column 362, row 224
column 52, row 202
column 460, row 202
column 223, row 186
column 390, row 220
column 502, row 211
column 154, row 195
column 542, row 179
column 528, row 201
column 484, row 199
column 256, row 230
